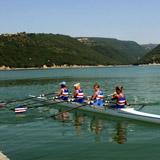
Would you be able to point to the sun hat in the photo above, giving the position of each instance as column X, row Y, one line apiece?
column 62, row 83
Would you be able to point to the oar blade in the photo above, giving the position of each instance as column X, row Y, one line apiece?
column 20, row 109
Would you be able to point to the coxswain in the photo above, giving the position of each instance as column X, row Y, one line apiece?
column 120, row 97
column 78, row 94
column 98, row 96
column 63, row 93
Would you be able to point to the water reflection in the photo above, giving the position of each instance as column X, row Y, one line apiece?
column 105, row 131
column 121, row 136
column 97, row 126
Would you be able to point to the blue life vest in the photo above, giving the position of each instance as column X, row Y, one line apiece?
column 64, row 96
column 65, row 92
column 99, row 99
column 100, row 95
column 121, row 101
column 80, row 94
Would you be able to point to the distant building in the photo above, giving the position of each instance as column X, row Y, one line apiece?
column 82, row 39
column 11, row 34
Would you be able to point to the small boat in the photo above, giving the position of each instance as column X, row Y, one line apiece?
column 129, row 113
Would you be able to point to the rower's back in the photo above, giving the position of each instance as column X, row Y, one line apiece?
column 79, row 94
column 121, row 99
column 65, row 93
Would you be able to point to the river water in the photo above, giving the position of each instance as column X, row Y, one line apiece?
column 84, row 135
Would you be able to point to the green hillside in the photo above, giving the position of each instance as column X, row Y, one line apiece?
column 35, row 50
column 149, row 47
column 111, row 52
column 128, row 49
column 152, row 57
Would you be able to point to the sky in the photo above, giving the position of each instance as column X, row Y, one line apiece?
column 135, row 20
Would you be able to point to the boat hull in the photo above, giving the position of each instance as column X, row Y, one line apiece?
column 129, row 113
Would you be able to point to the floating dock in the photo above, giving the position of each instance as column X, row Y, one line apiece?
column 3, row 157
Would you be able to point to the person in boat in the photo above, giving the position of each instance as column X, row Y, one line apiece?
column 78, row 94
column 98, row 96
column 120, row 97
column 63, row 93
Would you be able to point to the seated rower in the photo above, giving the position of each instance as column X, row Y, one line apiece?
column 120, row 97
column 78, row 94
column 63, row 92
column 98, row 96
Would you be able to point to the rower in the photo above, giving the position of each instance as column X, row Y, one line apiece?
column 78, row 94
column 98, row 96
column 63, row 92
column 120, row 97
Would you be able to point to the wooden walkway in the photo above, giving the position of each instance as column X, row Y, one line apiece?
column 3, row 157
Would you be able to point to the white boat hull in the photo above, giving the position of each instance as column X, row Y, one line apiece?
column 130, row 113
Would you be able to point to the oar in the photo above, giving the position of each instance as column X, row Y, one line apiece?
column 47, row 104
column 128, row 104
column 131, row 104
column 141, row 108
column 22, row 107
column 138, row 104
column 30, row 98
column 68, row 110
column 109, row 95
column 74, row 108
column 61, row 101
column 30, row 103
column 35, row 102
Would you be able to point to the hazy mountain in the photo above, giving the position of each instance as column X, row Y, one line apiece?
column 152, row 57
column 111, row 47
column 149, row 47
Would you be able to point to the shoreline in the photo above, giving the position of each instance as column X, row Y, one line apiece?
column 62, row 66
column 74, row 66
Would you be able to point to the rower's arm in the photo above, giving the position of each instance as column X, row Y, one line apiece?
column 75, row 93
column 94, row 96
column 114, row 97
column 126, row 101
column 59, row 93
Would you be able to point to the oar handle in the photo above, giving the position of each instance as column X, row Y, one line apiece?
column 31, row 97
column 47, row 104
column 109, row 95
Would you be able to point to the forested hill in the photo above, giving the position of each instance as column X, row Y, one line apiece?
column 152, row 57
column 109, row 46
column 149, row 47
column 35, row 50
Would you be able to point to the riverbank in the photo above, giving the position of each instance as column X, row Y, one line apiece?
column 150, row 64
column 62, row 66
column 73, row 66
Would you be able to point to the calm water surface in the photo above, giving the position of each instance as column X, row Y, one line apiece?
column 83, row 135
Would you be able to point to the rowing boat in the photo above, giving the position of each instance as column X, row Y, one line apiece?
column 129, row 113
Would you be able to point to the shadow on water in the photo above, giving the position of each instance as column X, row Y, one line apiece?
column 104, row 130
